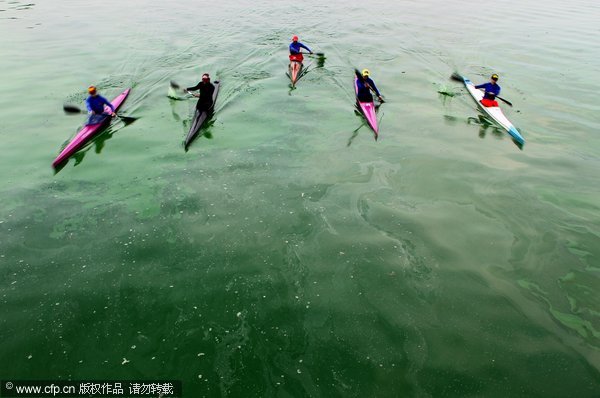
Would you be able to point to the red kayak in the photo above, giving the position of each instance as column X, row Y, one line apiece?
column 88, row 132
column 295, row 67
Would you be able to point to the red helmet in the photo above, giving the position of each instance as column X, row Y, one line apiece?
column 294, row 38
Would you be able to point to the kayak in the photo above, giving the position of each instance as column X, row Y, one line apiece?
column 295, row 71
column 296, row 68
column 88, row 132
column 493, row 112
column 368, row 111
column 200, row 117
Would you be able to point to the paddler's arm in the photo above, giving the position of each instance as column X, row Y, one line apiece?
column 494, row 93
column 107, row 103
column 196, row 87
column 372, row 85
column 305, row 47
column 484, row 86
column 88, row 105
column 491, row 91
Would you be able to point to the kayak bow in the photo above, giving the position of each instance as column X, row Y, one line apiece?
column 493, row 112
column 368, row 111
column 295, row 71
column 88, row 132
column 200, row 118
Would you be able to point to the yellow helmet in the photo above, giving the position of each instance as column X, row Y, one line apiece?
column 365, row 72
column 92, row 89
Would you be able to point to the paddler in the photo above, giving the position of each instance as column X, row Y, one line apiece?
column 206, row 89
column 492, row 90
column 95, row 106
column 365, row 84
column 295, row 47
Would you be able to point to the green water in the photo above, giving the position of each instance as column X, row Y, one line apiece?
column 286, row 255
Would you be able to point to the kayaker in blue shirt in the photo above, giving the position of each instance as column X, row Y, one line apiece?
column 492, row 89
column 295, row 47
column 95, row 106
column 365, row 84
column 95, row 103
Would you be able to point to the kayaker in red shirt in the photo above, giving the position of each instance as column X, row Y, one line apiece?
column 295, row 47
column 492, row 90
column 206, row 89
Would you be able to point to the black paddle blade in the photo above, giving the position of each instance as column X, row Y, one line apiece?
column 321, row 62
column 127, row 119
column 456, row 77
column 175, row 85
column 358, row 75
column 71, row 109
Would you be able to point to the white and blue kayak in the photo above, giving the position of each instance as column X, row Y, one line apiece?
column 493, row 112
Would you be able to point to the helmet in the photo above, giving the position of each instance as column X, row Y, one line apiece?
column 92, row 89
column 494, row 77
column 365, row 72
column 294, row 38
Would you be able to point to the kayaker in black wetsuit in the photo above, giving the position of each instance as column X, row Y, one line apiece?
column 365, row 84
column 206, row 89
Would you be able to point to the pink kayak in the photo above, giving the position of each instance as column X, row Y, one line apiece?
column 87, row 133
column 368, row 111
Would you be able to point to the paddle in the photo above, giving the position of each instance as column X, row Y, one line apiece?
column 320, row 58
column 315, row 54
column 75, row 109
column 173, row 89
column 176, row 87
column 456, row 77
